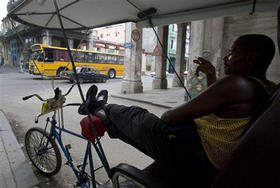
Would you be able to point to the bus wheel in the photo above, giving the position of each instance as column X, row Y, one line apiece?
column 112, row 74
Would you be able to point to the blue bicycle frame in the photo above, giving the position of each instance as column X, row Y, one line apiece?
column 56, row 131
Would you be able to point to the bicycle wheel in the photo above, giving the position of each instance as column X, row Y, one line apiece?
column 42, row 151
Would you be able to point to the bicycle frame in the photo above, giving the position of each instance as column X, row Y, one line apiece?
column 56, row 131
column 55, row 105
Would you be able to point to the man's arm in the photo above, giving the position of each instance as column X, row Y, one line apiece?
column 230, row 90
column 207, row 68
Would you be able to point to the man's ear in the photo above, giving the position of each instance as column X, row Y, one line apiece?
column 252, row 58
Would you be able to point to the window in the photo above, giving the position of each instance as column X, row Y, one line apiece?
column 109, row 58
column 172, row 44
column 120, row 60
column 36, row 47
column 41, row 57
column 90, row 57
column 114, row 59
column 78, row 56
column 62, row 55
column 101, row 58
column 101, row 35
column 49, row 55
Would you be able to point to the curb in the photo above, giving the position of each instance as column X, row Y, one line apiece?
column 21, row 171
column 140, row 100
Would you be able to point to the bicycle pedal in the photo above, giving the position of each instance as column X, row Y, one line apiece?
column 68, row 146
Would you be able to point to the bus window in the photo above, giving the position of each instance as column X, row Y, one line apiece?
column 49, row 54
column 35, row 47
column 62, row 55
column 41, row 57
column 90, row 57
column 109, row 59
column 66, row 56
column 35, row 55
column 101, row 58
column 114, row 59
column 120, row 60
column 59, row 55
column 80, row 56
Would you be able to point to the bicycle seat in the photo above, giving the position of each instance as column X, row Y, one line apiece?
column 86, row 128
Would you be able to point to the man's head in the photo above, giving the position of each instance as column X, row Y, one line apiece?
column 250, row 55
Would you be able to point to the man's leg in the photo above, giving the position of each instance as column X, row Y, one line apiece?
column 176, row 149
column 137, row 127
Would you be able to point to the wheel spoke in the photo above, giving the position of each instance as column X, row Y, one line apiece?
column 42, row 152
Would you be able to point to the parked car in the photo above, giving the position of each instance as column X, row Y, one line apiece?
column 85, row 74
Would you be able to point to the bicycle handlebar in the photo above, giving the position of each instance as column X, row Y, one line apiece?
column 29, row 96
column 69, row 104
column 57, row 93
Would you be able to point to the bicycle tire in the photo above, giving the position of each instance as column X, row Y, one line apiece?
column 46, row 158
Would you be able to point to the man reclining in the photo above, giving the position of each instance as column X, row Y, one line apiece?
column 189, row 143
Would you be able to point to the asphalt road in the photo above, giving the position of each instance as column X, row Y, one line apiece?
column 21, row 115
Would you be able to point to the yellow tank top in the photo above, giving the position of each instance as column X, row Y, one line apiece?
column 219, row 136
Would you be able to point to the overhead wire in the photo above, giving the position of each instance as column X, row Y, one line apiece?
column 144, row 14
column 100, row 152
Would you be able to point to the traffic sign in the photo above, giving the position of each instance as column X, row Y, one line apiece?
column 135, row 35
column 127, row 45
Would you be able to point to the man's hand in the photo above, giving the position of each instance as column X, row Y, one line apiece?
column 204, row 66
column 207, row 68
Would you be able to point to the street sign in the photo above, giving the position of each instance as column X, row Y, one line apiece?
column 135, row 35
column 127, row 45
column 156, row 51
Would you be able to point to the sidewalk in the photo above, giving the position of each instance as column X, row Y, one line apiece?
column 15, row 170
column 166, row 98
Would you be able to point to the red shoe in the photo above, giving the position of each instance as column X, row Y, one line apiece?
column 86, row 128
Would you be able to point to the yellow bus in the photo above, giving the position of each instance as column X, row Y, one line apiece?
column 50, row 61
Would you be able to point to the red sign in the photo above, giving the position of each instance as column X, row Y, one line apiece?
column 135, row 35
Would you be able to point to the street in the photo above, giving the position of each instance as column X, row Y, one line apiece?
column 21, row 115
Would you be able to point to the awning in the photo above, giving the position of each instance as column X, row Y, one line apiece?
column 83, row 14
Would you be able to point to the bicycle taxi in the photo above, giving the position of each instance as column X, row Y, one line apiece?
column 254, row 163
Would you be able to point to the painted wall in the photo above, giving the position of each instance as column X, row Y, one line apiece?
column 265, row 23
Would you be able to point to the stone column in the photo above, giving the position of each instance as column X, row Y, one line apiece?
column 7, row 54
column 180, row 64
column 132, row 61
column 160, row 81
column 206, row 41
column 71, row 43
column 47, row 39
column 90, row 41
